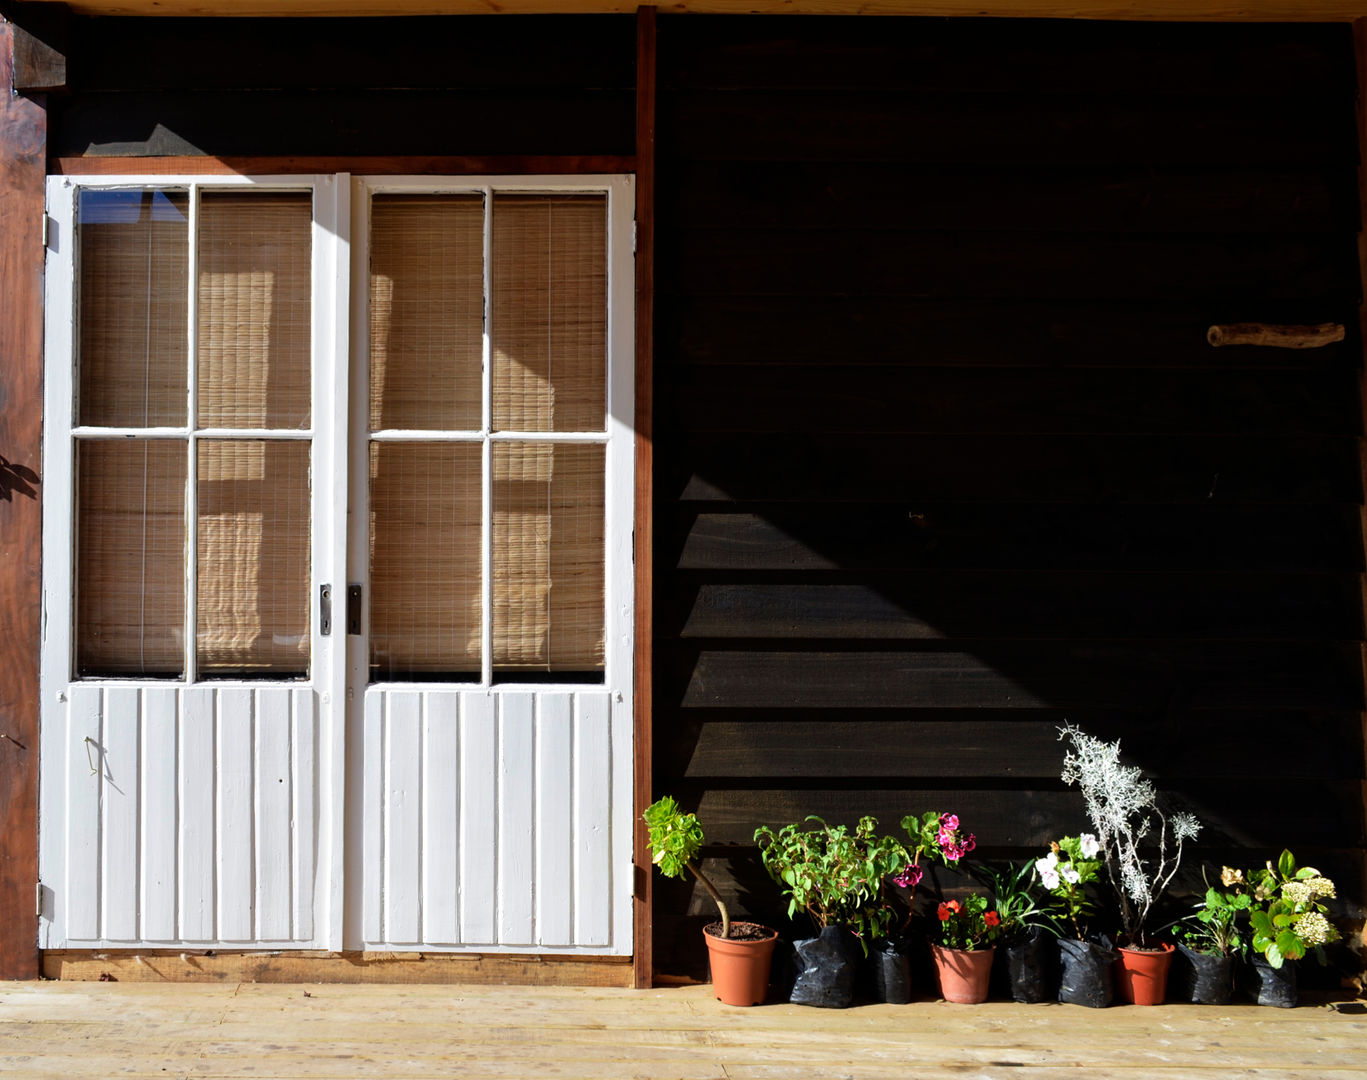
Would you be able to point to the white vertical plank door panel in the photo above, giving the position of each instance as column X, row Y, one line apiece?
column 403, row 818
column 84, row 772
column 516, row 818
column 593, row 832
column 272, row 803
column 304, row 810
column 478, row 825
column 236, row 870
column 198, row 839
column 119, row 813
column 372, row 816
column 160, row 820
column 441, row 817
column 555, row 819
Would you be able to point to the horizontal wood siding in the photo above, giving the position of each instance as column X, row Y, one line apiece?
column 338, row 87
column 943, row 458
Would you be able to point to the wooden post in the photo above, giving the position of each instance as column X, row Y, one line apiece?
column 1360, row 56
column 23, row 145
column 643, row 952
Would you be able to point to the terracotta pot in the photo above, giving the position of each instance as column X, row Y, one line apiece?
column 740, row 968
column 963, row 975
column 1142, row 974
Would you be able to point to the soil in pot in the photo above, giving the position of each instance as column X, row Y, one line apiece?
column 1085, row 973
column 1032, row 966
column 1270, row 986
column 740, row 963
column 1201, row 978
column 963, row 974
column 1142, row 974
column 824, row 969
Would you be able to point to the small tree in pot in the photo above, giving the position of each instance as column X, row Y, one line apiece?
column 740, row 954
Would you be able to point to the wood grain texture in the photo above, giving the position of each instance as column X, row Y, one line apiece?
column 440, row 165
column 23, row 141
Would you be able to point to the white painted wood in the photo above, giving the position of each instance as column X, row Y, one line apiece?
column 119, row 813
column 198, row 838
column 84, row 760
column 478, row 818
column 373, row 823
column 555, row 820
column 157, row 885
column 403, row 818
column 272, row 805
column 304, row 812
column 592, row 801
column 236, row 870
column 441, row 818
column 516, row 818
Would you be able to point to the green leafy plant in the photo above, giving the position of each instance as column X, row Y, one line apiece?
column 1065, row 873
column 969, row 924
column 1286, row 914
column 939, row 838
column 1014, row 888
column 1217, row 925
column 834, row 874
column 676, row 839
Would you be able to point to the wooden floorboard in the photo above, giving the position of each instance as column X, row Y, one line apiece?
column 329, row 1032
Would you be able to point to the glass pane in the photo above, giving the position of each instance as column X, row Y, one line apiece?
column 253, row 589
column 548, row 312
column 548, row 555
column 425, row 504
column 255, row 252
column 133, row 256
column 130, row 558
column 426, row 312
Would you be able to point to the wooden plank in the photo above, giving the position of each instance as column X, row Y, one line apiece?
column 85, row 770
column 235, row 873
column 516, row 821
column 23, row 141
column 40, row 51
column 1035, row 537
column 273, row 803
column 158, row 886
column 304, row 754
column 373, row 805
column 592, row 811
column 397, row 165
column 120, row 795
column 1360, row 66
column 441, row 882
column 1028, row 467
column 472, row 969
column 555, row 821
column 198, row 833
column 644, row 496
column 403, row 824
column 479, row 778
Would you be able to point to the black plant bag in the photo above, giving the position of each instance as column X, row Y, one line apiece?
column 885, row 974
column 1271, row 986
column 1032, row 966
column 824, row 969
column 1085, row 972
column 1202, row 978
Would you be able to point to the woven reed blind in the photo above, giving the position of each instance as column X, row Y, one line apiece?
column 134, row 248
column 255, row 309
column 253, row 536
column 548, row 312
column 426, row 312
column 130, row 567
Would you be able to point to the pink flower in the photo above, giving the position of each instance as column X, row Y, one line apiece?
column 970, row 843
column 949, row 822
column 910, row 877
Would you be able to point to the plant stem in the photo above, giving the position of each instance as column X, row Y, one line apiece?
column 716, row 899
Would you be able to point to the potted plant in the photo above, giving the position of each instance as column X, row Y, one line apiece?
column 1287, row 918
column 739, row 953
column 962, row 946
column 1028, row 940
column 1141, row 847
column 1211, row 941
column 835, row 876
column 1068, row 874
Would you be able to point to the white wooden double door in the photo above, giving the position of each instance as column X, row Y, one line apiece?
column 334, row 812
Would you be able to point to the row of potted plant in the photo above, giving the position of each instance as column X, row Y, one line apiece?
column 857, row 888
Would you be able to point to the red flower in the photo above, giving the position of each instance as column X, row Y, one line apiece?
column 945, row 912
column 992, row 918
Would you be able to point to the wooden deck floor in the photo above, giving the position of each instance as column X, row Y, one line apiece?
column 102, row 1030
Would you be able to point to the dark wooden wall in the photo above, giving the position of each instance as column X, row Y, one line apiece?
column 471, row 86
column 943, row 458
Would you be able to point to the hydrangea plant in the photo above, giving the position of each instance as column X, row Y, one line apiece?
column 1287, row 914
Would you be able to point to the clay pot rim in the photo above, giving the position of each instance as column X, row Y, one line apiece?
column 771, row 935
column 1157, row 950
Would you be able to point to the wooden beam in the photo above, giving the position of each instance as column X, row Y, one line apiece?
column 23, row 140
column 1275, row 336
column 593, row 164
column 1360, row 56
column 642, row 946
column 470, row 969
column 1161, row 10
column 41, row 32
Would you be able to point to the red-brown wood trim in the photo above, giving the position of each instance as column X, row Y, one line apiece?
column 643, row 951
column 1360, row 55
column 592, row 164
column 23, row 143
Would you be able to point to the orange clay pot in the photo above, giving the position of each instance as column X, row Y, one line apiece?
column 1141, row 976
column 963, row 975
column 740, row 968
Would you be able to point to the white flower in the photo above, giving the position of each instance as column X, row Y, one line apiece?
column 1048, row 875
column 1047, row 863
column 1314, row 929
column 1088, row 845
column 1071, row 876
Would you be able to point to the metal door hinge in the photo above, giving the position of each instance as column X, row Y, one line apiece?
column 353, row 609
column 633, row 237
column 47, row 231
column 38, row 899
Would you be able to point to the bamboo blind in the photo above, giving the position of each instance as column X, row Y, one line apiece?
column 425, row 563
column 426, row 311
column 133, row 294
column 253, row 536
column 130, row 557
column 548, row 611
column 548, row 312
column 255, row 257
